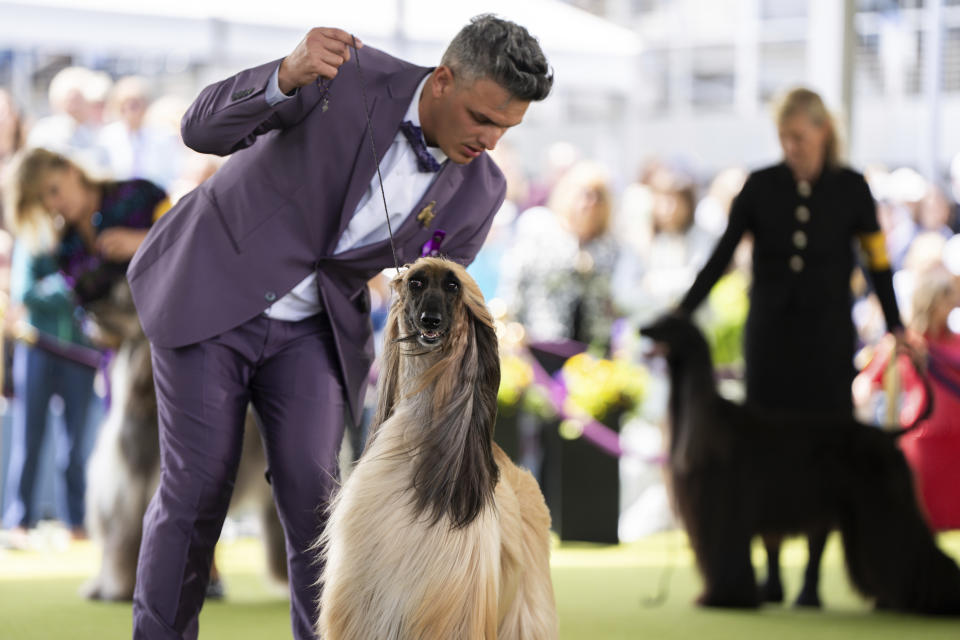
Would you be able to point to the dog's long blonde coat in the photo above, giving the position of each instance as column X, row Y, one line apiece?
column 393, row 573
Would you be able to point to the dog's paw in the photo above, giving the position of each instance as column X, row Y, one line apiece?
column 216, row 589
column 90, row 590
column 808, row 598
column 728, row 600
column 771, row 591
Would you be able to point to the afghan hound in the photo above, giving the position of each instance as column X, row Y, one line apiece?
column 737, row 472
column 124, row 467
column 436, row 533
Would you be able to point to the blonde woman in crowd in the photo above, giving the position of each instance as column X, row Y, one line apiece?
column 556, row 277
column 74, row 237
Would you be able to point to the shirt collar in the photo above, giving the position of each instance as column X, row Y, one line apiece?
column 413, row 115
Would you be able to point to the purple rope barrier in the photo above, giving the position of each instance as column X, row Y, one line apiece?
column 596, row 433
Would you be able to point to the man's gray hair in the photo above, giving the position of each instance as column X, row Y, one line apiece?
column 503, row 51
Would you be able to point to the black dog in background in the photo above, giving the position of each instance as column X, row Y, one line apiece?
column 737, row 473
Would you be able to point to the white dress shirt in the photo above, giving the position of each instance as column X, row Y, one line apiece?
column 403, row 184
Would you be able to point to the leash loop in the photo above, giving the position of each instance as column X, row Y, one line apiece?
column 373, row 148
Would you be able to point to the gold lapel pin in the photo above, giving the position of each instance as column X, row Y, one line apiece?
column 427, row 214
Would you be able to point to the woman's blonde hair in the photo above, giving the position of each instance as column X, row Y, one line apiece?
column 809, row 103
column 584, row 175
column 933, row 285
column 23, row 208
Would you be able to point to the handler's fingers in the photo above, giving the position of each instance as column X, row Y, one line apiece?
column 333, row 59
column 340, row 35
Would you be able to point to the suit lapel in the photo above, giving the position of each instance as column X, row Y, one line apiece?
column 440, row 193
column 386, row 111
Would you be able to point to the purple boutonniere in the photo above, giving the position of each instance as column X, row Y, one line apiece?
column 431, row 247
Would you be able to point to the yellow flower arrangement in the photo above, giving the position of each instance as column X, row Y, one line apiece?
column 600, row 388
column 516, row 375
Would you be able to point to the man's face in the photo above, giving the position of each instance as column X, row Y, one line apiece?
column 466, row 119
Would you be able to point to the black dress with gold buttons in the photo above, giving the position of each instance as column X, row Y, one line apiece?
column 799, row 338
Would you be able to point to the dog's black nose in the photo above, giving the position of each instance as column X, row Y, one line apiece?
column 430, row 320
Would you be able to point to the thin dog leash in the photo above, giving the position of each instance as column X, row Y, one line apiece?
column 373, row 148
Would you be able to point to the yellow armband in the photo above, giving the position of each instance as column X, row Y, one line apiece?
column 162, row 207
column 874, row 245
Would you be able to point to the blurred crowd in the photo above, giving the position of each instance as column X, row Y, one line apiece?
column 574, row 254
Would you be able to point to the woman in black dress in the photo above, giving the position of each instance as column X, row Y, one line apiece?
column 805, row 214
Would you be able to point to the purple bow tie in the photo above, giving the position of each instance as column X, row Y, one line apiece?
column 413, row 134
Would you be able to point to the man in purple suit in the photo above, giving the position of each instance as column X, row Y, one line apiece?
column 253, row 288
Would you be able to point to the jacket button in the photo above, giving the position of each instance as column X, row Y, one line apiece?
column 803, row 214
column 270, row 296
column 804, row 189
column 796, row 263
column 799, row 239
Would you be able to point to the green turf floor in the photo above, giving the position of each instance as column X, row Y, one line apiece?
column 603, row 593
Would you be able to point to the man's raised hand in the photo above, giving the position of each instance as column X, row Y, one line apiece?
column 318, row 55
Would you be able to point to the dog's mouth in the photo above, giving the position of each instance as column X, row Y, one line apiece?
column 429, row 337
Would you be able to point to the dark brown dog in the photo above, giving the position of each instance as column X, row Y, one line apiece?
column 737, row 473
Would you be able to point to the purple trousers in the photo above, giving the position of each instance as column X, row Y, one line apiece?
column 288, row 371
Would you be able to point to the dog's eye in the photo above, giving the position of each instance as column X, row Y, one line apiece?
column 452, row 286
column 415, row 285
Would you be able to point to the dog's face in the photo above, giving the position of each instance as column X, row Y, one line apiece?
column 430, row 293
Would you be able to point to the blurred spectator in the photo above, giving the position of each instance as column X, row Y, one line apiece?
column 163, row 116
column 133, row 147
column 804, row 214
column 96, row 91
column 75, row 236
column 712, row 211
column 898, row 194
column 925, row 252
column 561, row 156
column 12, row 139
column 955, row 191
column 631, row 223
column 556, row 277
column 646, row 284
column 11, row 128
column 933, row 448
column 933, row 212
column 485, row 268
column 71, row 128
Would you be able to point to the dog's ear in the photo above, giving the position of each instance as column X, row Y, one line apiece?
column 488, row 377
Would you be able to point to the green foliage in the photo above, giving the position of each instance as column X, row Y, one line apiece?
column 728, row 305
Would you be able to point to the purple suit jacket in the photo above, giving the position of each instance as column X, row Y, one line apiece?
column 275, row 211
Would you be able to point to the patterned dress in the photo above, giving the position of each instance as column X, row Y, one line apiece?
column 133, row 204
column 557, row 288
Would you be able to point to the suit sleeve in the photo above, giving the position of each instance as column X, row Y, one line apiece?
column 466, row 251
column 719, row 260
column 229, row 115
column 873, row 247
